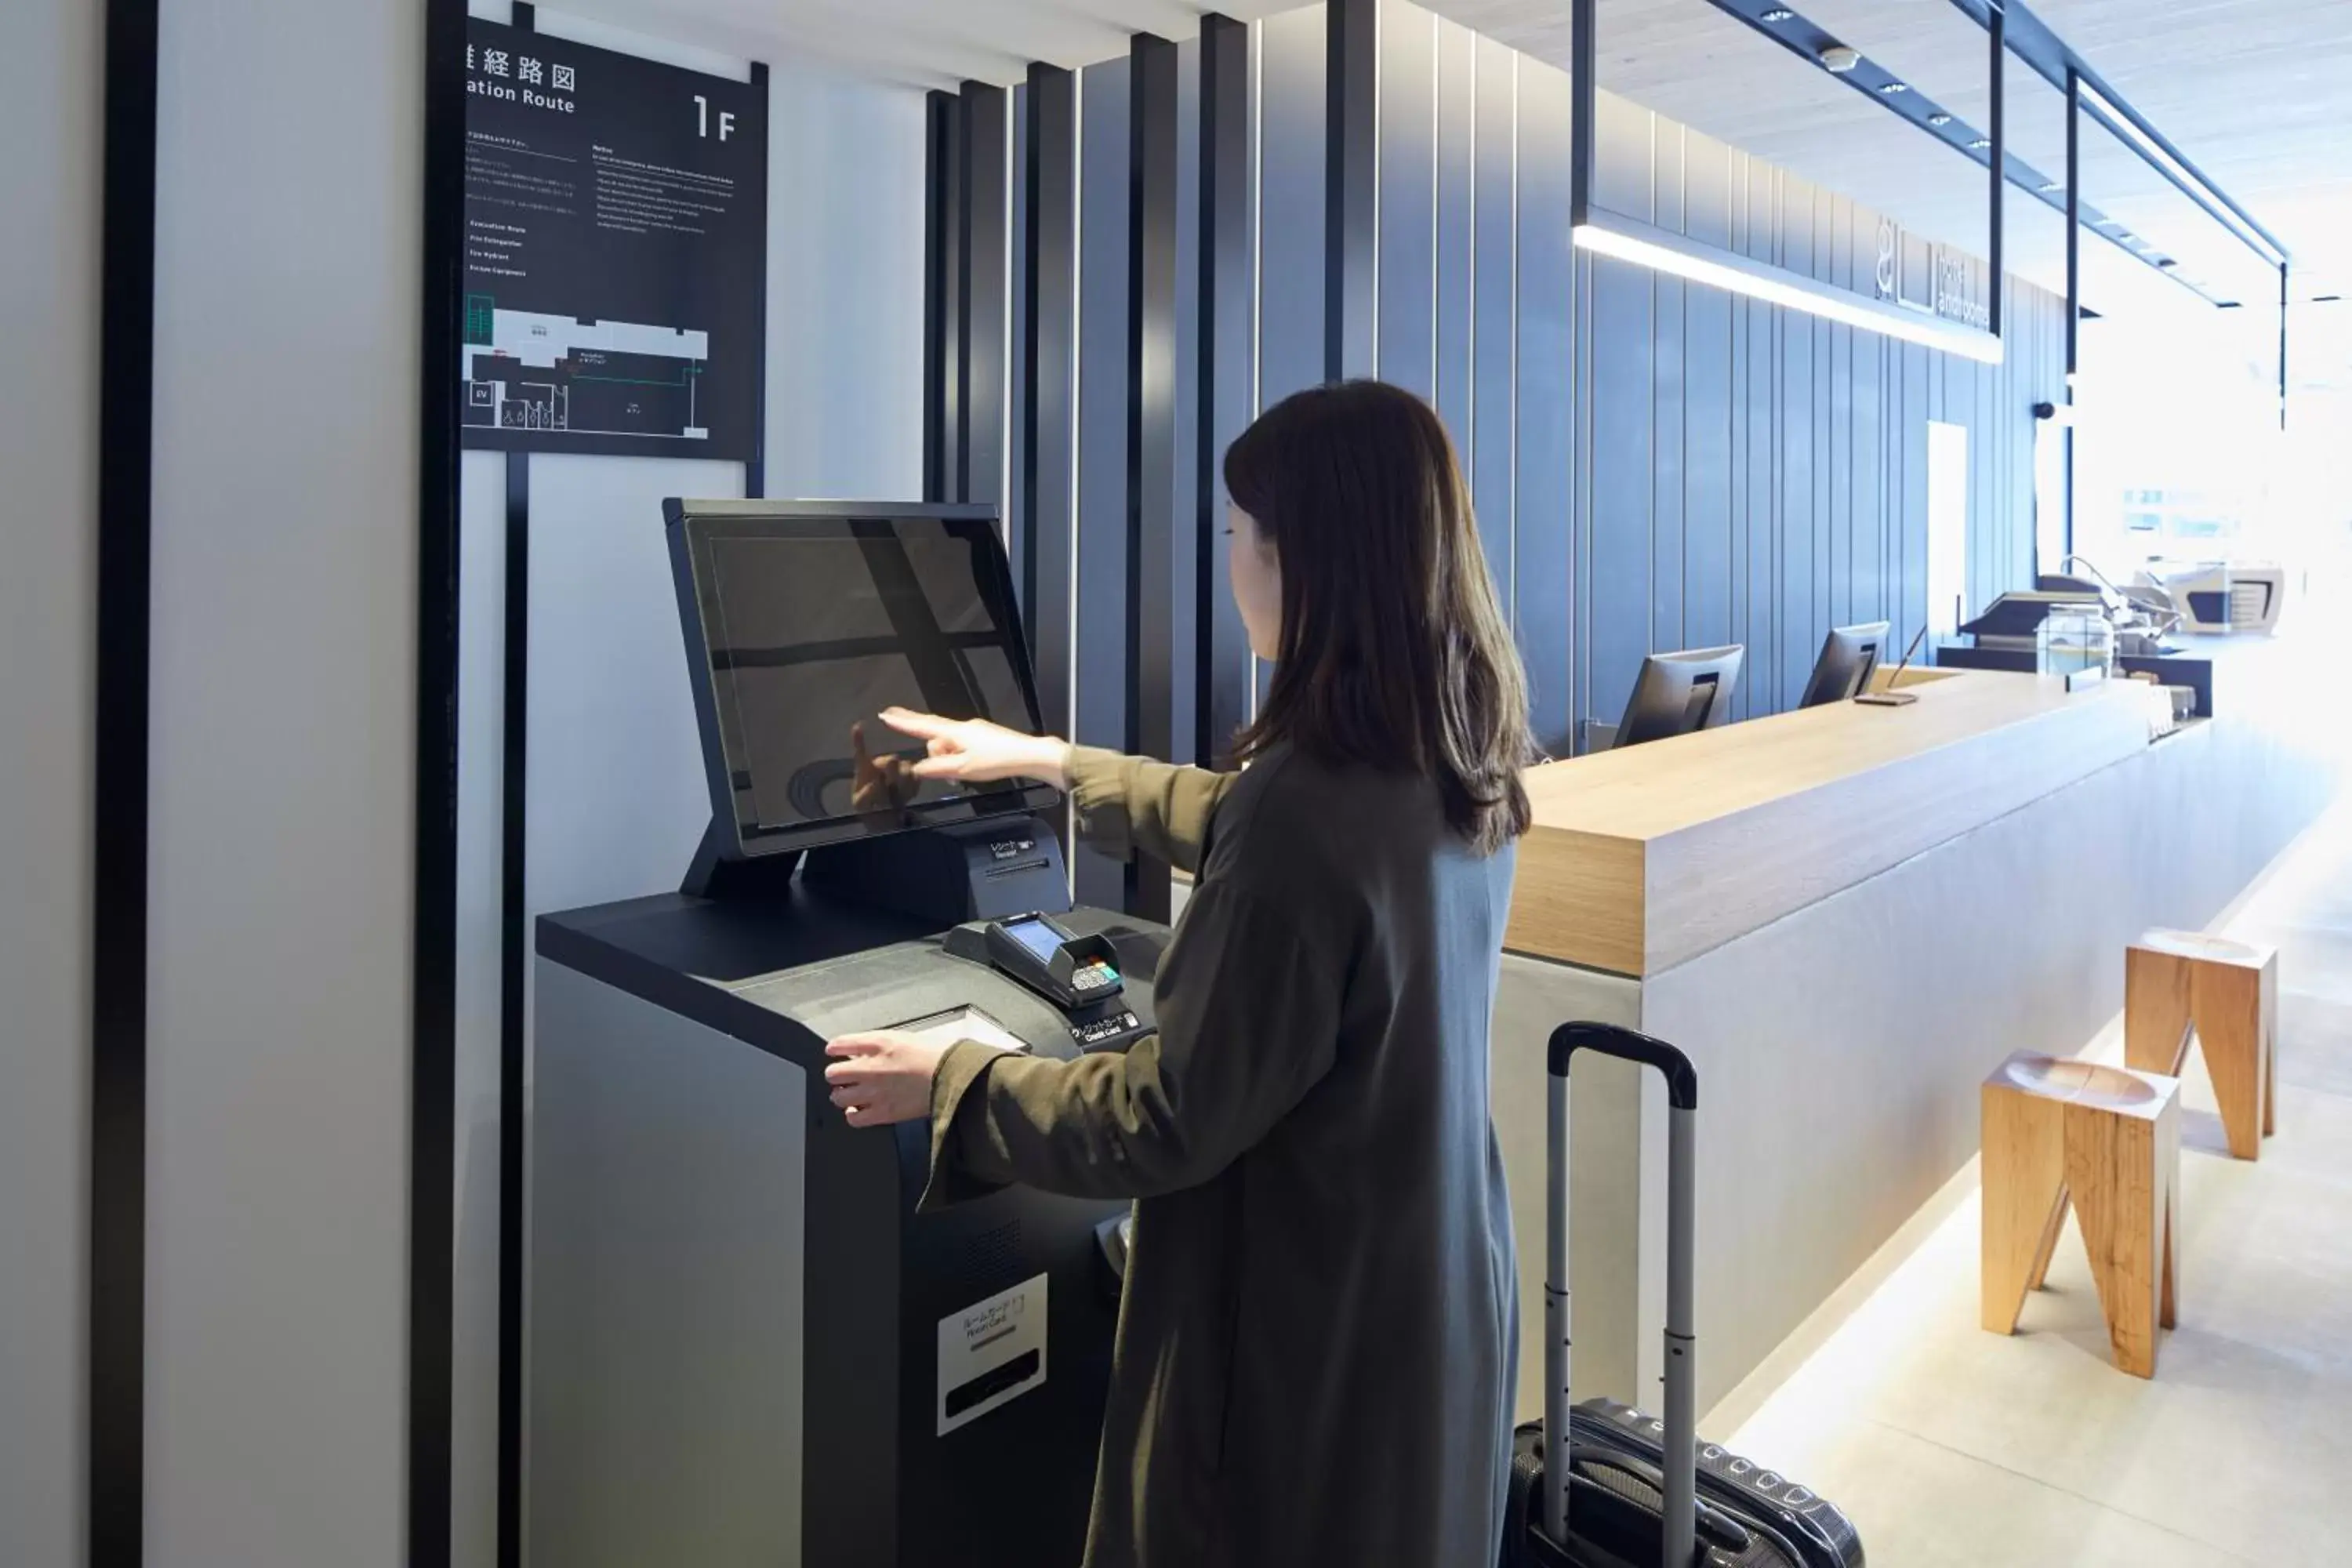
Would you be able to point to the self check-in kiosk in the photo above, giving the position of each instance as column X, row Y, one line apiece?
column 743, row 1344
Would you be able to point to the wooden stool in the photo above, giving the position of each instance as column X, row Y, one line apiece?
column 2181, row 984
column 2107, row 1139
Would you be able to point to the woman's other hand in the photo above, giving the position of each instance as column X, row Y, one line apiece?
column 882, row 1077
column 973, row 751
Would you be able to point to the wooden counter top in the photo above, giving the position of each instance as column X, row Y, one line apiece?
column 1643, row 857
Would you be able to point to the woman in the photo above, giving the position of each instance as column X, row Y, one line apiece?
column 1317, row 1346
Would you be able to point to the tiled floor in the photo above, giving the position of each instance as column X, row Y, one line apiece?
column 1951, row 1445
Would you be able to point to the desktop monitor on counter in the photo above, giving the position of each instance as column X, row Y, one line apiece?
column 1847, row 659
column 1681, row 693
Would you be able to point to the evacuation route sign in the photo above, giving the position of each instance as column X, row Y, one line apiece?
column 616, row 222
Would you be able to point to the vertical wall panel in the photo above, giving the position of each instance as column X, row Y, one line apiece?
column 1494, row 346
column 1800, row 597
column 1706, row 532
column 1458, row 179
column 1049, row 282
column 1016, row 354
column 1227, row 249
column 1291, row 188
column 1351, row 188
column 1408, row 204
column 52, row 85
column 1192, row 297
column 1100, row 650
column 1668, row 428
column 980, row 447
column 1153, row 586
column 1543, row 580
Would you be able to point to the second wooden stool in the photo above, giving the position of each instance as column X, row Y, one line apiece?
column 2108, row 1141
column 2181, row 985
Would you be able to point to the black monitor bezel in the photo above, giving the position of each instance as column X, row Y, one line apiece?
column 1869, row 658
column 1678, row 671
column 692, row 526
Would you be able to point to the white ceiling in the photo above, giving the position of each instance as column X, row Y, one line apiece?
column 2253, row 91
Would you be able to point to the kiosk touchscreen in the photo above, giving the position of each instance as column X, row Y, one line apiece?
column 743, row 1342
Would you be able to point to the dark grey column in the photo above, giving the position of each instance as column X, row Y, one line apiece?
column 1221, row 649
column 1150, row 426
column 1044, row 528
column 980, row 439
column 1351, row 178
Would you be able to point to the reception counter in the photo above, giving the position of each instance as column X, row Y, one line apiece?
column 1846, row 916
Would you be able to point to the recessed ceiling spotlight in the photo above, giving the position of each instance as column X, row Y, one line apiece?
column 1939, row 120
column 2108, row 223
column 2166, row 261
column 1891, row 87
column 1838, row 59
column 2050, row 185
column 1980, row 144
column 1776, row 13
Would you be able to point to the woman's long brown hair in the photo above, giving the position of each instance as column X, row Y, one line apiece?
column 1394, row 651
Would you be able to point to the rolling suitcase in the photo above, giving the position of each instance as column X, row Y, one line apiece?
column 1601, row 1485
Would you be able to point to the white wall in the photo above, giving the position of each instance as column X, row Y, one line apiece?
column 288, row 259
column 616, row 798
column 49, row 116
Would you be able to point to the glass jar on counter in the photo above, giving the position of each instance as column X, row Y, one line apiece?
column 2074, row 639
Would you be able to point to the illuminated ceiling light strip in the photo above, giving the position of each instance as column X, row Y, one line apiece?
column 1629, row 240
column 2181, row 174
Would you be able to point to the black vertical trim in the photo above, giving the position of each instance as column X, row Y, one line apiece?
column 1583, row 90
column 938, row 109
column 955, row 295
column 1049, row 281
column 1150, row 427
column 1351, row 180
column 116, row 1307
column 1996, row 36
column 514, row 890
column 1220, row 650
column 432, row 1161
column 981, row 347
column 2074, row 276
column 755, row 472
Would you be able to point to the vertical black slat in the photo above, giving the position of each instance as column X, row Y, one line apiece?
column 1995, row 39
column 116, row 1374
column 987, row 199
column 1584, row 93
column 1351, row 188
column 1016, row 339
column 1407, row 231
column 1293, row 189
column 1048, row 283
column 755, row 471
column 938, row 110
column 514, row 893
column 1098, row 654
column 432, row 1155
column 1152, row 670
column 1545, row 578
column 955, row 295
column 1493, row 252
column 1220, row 648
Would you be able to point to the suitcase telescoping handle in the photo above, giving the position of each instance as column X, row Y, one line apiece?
column 1681, row 1443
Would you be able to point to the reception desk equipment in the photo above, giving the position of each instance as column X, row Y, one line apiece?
column 1846, row 915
